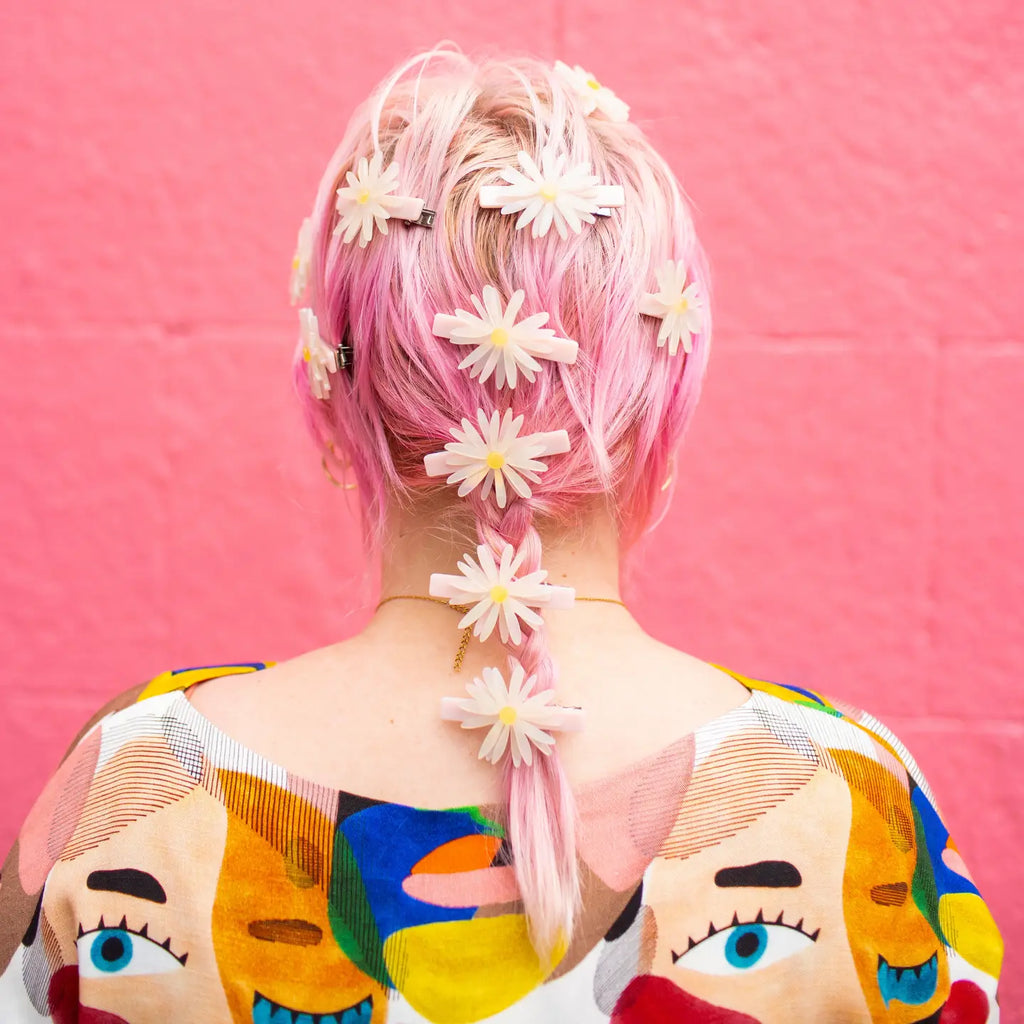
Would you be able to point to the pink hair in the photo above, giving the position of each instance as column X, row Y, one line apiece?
column 452, row 125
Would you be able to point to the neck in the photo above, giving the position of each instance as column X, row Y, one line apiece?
column 423, row 541
column 428, row 540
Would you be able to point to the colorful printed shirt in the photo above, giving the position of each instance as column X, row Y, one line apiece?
column 784, row 863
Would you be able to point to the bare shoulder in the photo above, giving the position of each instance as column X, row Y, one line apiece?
column 365, row 697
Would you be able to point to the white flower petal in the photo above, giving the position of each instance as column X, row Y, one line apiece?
column 505, row 348
column 465, row 460
column 680, row 307
column 550, row 194
column 301, row 262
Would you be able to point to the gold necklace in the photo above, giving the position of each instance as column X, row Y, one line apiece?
column 460, row 654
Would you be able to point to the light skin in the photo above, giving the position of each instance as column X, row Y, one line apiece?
column 338, row 715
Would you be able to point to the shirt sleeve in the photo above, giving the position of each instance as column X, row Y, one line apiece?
column 945, row 893
column 38, row 976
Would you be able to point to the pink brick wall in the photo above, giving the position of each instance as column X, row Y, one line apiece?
column 850, row 504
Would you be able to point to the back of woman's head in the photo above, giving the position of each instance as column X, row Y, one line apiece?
column 453, row 126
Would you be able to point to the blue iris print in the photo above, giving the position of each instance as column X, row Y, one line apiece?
column 107, row 951
column 746, row 945
column 111, row 950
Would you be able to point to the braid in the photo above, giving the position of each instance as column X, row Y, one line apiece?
column 541, row 815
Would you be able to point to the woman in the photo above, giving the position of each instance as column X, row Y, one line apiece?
column 504, row 328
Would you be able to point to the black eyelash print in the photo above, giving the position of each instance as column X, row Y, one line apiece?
column 142, row 932
column 736, row 923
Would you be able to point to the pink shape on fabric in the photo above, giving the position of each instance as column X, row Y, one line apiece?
column 478, row 888
column 646, row 796
column 955, row 862
column 52, row 821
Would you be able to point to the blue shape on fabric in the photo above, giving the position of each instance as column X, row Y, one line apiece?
column 258, row 665
column 387, row 840
column 910, row 985
column 266, row 1012
column 936, row 836
column 801, row 691
column 111, row 950
column 746, row 945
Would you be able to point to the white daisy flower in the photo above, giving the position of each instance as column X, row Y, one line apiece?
column 301, row 262
column 495, row 454
column 321, row 360
column 503, row 347
column 680, row 307
column 366, row 202
column 551, row 194
column 499, row 597
column 594, row 95
column 519, row 719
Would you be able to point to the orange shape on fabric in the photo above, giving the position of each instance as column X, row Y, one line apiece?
column 467, row 853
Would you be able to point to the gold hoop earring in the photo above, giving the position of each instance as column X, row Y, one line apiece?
column 330, row 476
column 671, row 473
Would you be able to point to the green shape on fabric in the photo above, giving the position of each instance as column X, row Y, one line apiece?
column 820, row 707
column 348, row 910
column 923, row 889
column 488, row 826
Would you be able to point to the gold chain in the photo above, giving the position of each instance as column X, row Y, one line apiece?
column 460, row 654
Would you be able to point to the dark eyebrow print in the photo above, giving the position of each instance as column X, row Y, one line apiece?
column 765, row 874
column 129, row 881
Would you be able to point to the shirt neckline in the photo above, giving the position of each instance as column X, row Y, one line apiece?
column 243, row 757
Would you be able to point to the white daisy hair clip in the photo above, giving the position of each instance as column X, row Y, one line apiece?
column 519, row 719
column 594, row 95
column 499, row 597
column 495, row 454
column 679, row 305
column 551, row 193
column 301, row 262
column 503, row 347
column 321, row 360
column 367, row 202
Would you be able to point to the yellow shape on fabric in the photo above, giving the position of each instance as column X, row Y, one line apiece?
column 499, row 594
column 970, row 930
column 454, row 972
column 507, row 715
column 495, row 460
column 499, row 337
column 782, row 692
column 167, row 682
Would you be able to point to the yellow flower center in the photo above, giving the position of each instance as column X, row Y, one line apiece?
column 681, row 306
column 306, row 354
column 549, row 193
column 507, row 715
column 499, row 593
column 499, row 337
column 364, row 197
column 594, row 84
column 295, row 262
column 495, row 460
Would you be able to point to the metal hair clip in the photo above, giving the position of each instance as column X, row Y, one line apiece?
column 425, row 219
column 344, row 351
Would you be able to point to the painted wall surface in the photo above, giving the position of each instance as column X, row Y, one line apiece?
column 849, row 508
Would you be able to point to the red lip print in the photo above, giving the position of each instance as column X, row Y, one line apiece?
column 652, row 1000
